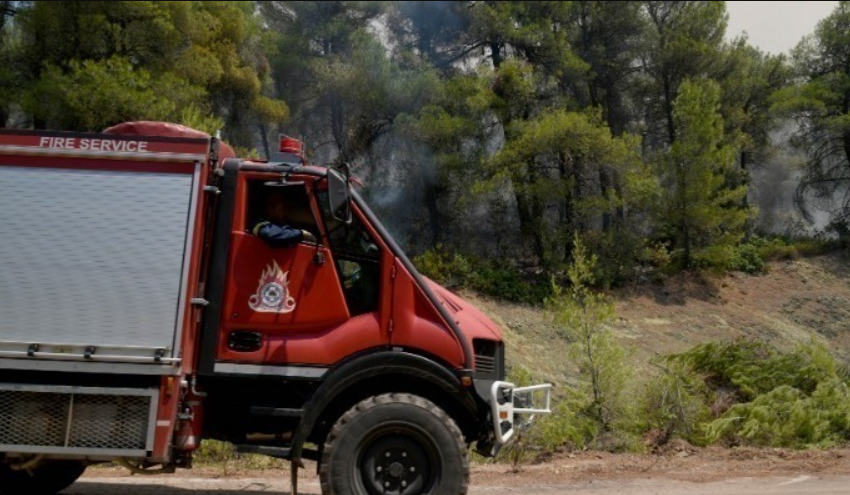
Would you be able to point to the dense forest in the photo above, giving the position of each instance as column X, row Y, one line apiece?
column 491, row 136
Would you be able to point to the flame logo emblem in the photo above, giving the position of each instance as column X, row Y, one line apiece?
column 273, row 292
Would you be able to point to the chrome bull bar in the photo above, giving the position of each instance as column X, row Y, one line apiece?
column 507, row 401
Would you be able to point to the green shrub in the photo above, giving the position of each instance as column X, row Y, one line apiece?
column 742, row 258
column 715, row 258
column 491, row 277
column 444, row 267
column 748, row 260
column 752, row 368
column 779, row 248
column 676, row 404
column 788, row 417
column 794, row 399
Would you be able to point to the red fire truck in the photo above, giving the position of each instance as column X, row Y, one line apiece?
column 140, row 313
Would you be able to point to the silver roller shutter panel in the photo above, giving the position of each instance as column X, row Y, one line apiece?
column 91, row 257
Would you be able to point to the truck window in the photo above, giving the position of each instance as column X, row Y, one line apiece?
column 295, row 206
column 357, row 258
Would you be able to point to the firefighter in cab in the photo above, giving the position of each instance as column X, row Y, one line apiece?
column 273, row 227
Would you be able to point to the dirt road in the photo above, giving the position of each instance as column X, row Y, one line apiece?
column 799, row 485
column 679, row 470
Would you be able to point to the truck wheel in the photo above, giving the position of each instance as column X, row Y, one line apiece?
column 395, row 444
column 46, row 479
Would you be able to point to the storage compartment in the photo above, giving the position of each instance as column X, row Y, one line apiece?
column 92, row 264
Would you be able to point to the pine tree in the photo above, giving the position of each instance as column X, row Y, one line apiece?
column 704, row 207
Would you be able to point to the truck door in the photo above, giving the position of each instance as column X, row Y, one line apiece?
column 285, row 308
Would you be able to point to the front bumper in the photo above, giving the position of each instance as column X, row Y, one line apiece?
column 508, row 403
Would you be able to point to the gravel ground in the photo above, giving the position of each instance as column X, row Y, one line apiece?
column 683, row 469
column 799, row 485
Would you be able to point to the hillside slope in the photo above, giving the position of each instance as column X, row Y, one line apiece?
column 793, row 302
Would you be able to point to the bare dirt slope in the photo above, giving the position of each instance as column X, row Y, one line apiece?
column 794, row 302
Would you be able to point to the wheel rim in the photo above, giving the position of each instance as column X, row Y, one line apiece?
column 398, row 459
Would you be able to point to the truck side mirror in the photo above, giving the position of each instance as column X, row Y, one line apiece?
column 339, row 196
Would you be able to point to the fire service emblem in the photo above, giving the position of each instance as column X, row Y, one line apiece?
column 273, row 292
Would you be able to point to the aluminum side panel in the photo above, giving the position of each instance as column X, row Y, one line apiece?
column 91, row 257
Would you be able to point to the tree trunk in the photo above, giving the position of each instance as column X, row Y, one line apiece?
column 265, row 135
column 744, row 156
column 604, row 186
column 567, row 206
column 526, row 230
column 433, row 194
column 846, row 139
column 538, row 223
column 686, row 231
column 496, row 48
column 668, row 109
column 338, row 127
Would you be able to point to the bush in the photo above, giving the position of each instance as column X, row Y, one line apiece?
column 788, row 417
column 780, row 248
column 742, row 258
column 490, row 277
column 676, row 404
column 793, row 399
column 748, row 260
column 753, row 368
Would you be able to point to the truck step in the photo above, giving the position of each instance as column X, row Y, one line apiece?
column 278, row 452
column 277, row 412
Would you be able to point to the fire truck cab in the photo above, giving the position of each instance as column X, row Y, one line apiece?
column 142, row 311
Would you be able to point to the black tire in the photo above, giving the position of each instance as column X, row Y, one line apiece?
column 395, row 444
column 46, row 479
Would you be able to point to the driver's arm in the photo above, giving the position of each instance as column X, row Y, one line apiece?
column 281, row 235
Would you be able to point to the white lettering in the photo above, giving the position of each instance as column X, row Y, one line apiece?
column 93, row 144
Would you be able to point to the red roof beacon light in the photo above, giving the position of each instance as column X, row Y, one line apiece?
column 291, row 147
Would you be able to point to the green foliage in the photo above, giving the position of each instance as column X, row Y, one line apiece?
column 676, row 404
column 491, row 277
column 92, row 64
column 569, row 427
column 575, row 147
column 789, row 417
column 683, row 41
column 752, row 256
column 748, row 259
column 791, row 399
column 751, row 368
column 705, row 210
column 742, row 257
column 93, row 95
column 581, row 316
column 778, row 248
